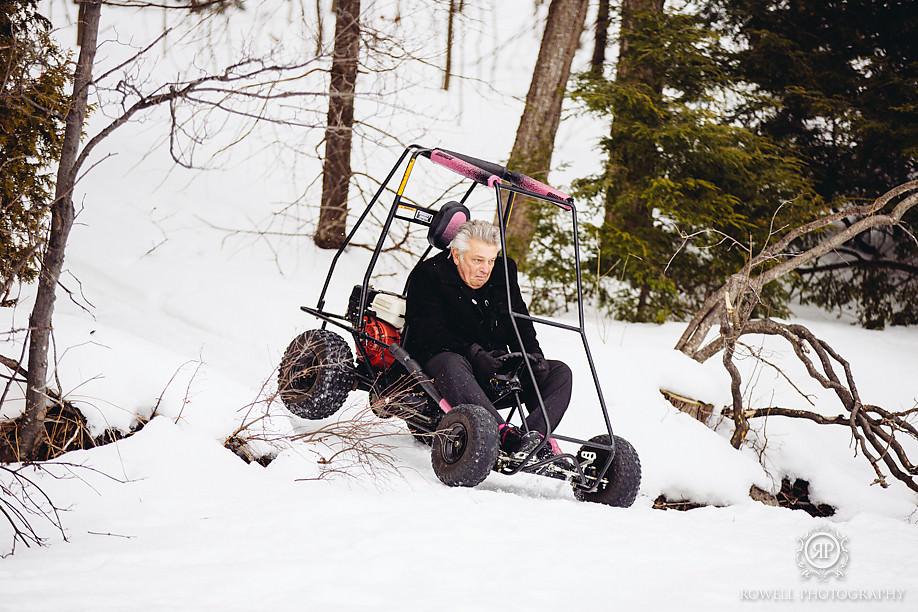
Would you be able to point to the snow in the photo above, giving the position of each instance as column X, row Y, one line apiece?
column 176, row 321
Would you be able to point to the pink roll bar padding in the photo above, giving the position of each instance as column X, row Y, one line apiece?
column 530, row 184
column 471, row 171
column 460, row 166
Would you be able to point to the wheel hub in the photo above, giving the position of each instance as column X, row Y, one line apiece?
column 453, row 443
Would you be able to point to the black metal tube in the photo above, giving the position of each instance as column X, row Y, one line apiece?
column 320, row 304
column 416, row 373
column 516, row 330
column 362, row 305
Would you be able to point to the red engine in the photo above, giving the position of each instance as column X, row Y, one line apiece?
column 380, row 357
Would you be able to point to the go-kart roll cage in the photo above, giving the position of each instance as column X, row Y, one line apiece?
column 501, row 180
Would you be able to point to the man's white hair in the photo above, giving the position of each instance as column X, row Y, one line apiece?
column 476, row 229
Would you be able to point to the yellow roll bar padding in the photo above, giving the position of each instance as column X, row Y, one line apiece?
column 401, row 187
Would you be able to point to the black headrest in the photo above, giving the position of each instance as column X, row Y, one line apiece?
column 446, row 223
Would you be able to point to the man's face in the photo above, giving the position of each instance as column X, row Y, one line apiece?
column 476, row 265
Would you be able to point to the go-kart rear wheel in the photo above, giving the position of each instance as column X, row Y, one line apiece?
column 465, row 446
column 316, row 374
column 622, row 480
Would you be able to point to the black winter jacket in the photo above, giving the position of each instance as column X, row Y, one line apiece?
column 445, row 314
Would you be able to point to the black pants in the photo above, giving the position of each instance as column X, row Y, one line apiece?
column 453, row 377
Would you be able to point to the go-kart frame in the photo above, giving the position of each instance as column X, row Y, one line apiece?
column 506, row 186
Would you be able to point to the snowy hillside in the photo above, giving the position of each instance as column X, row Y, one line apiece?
column 181, row 307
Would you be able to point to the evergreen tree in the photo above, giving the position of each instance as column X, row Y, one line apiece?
column 686, row 192
column 839, row 84
column 32, row 106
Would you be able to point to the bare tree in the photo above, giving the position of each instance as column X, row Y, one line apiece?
column 32, row 424
column 535, row 136
column 249, row 84
column 732, row 309
column 336, row 171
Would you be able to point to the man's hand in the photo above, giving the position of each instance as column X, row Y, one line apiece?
column 538, row 363
column 485, row 363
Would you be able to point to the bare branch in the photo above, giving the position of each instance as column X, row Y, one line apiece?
column 873, row 429
column 867, row 216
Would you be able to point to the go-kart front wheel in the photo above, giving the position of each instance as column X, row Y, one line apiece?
column 464, row 448
column 316, row 374
column 619, row 487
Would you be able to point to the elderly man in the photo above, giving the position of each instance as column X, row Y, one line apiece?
column 459, row 326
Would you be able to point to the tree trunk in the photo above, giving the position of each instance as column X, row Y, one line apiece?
column 320, row 27
column 454, row 7
column 535, row 136
column 600, row 39
column 336, row 171
column 31, row 427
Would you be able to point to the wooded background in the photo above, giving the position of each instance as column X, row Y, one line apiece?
column 729, row 124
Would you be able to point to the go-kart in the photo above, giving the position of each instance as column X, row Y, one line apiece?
column 319, row 370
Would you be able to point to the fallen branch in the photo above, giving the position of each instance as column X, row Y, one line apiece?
column 873, row 429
